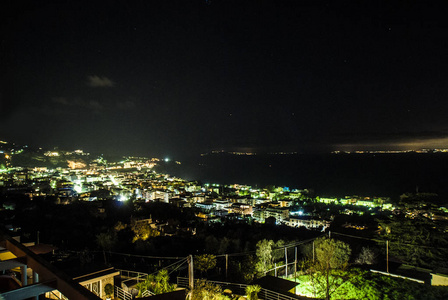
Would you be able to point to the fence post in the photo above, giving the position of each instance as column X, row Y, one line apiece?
column 227, row 264
column 190, row 272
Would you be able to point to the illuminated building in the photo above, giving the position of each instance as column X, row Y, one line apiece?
column 280, row 214
column 43, row 277
column 240, row 209
column 308, row 222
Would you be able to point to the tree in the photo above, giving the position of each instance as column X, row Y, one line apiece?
column 366, row 257
column 85, row 257
column 106, row 240
column 252, row 292
column 143, row 231
column 368, row 285
column 267, row 253
column 415, row 241
column 204, row 262
column 264, row 255
column 270, row 188
column 108, row 290
column 279, row 251
column 223, row 245
column 157, row 284
column 328, row 269
column 243, row 270
column 120, row 226
column 211, row 244
column 205, row 290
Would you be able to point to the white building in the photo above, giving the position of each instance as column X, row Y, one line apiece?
column 307, row 222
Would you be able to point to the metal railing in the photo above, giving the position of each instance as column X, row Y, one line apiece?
column 397, row 276
column 61, row 297
column 270, row 295
column 240, row 289
column 147, row 293
column 132, row 274
column 122, row 294
column 182, row 282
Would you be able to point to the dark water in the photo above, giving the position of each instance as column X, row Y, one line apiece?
column 329, row 174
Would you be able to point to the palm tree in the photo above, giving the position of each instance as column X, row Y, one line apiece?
column 157, row 284
column 252, row 292
column 163, row 278
column 106, row 241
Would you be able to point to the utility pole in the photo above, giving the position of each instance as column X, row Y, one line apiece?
column 295, row 266
column 313, row 251
column 387, row 256
column 286, row 262
column 190, row 272
column 227, row 264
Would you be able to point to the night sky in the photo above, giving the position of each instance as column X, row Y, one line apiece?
column 184, row 77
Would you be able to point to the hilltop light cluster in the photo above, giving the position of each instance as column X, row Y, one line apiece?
column 134, row 179
column 424, row 151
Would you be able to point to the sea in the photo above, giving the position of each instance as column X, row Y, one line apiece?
column 338, row 175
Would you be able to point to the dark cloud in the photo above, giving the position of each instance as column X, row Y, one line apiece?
column 97, row 81
column 95, row 105
column 388, row 136
column 61, row 100
column 126, row 105
column 392, row 141
column 78, row 102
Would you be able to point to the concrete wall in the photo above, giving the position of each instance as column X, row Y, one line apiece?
column 103, row 284
column 439, row 279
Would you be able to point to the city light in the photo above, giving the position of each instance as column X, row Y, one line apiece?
column 122, row 198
